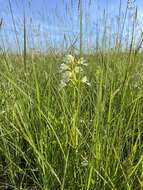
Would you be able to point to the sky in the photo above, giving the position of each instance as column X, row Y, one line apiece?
column 56, row 22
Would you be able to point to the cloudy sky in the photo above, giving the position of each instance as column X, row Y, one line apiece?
column 55, row 20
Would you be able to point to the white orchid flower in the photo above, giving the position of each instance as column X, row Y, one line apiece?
column 84, row 80
column 81, row 61
column 63, row 67
column 69, row 59
column 71, row 69
column 78, row 69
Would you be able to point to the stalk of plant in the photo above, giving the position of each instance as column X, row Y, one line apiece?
column 72, row 74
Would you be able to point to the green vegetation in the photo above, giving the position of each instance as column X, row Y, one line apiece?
column 83, row 139
column 80, row 137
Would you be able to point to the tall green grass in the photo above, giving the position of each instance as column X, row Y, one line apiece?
column 40, row 126
column 88, row 137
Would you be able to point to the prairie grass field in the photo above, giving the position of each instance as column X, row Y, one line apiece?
column 72, row 120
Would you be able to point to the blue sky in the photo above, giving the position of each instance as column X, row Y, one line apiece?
column 54, row 19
